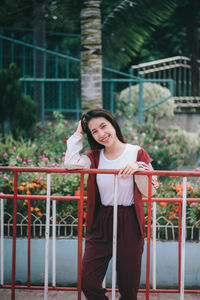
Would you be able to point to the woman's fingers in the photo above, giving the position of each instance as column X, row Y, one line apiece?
column 79, row 128
column 128, row 170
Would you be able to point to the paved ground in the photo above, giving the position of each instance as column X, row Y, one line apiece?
column 5, row 294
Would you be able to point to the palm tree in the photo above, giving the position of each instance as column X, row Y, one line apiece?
column 125, row 25
column 91, row 57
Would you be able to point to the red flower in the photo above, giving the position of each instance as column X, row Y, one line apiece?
column 66, row 124
column 125, row 139
column 164, row 141
column 43, row 129
column 53, row 124
column 171, row 153
column 148, row 144
column 125, row 124
column 42, row 150
column 133, row 139
column 37, row 132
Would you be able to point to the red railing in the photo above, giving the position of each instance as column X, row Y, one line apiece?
column 15, row 196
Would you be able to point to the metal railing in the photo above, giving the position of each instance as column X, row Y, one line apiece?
column 52, row 79
column 179, row 69
column 80, row 199
column 66, row 227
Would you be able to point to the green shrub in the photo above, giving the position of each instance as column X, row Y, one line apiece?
column 16, row 109
column 152, row 92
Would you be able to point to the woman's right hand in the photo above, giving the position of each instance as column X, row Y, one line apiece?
column 79, row 128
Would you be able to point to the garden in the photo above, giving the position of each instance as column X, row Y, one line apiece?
column 47, row 149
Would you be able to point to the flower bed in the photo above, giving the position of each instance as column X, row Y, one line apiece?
column 48, row 149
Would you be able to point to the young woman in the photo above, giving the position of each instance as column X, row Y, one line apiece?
column 109, row 151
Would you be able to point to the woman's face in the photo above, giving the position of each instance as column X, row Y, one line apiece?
column 102, row 131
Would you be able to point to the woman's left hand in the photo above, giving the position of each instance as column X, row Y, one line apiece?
column 128, row 170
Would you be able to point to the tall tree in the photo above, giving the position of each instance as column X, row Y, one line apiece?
column 91, row 55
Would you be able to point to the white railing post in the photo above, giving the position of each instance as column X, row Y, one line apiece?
column 154, row 245
column 104, row 282
column 183, row 234
column 54, row 245
column 46, row 275
column 114, row 240
column 2, row 241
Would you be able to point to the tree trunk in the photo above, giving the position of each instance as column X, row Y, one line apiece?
column 39, row 40
column 91, row 55
column 192, row 11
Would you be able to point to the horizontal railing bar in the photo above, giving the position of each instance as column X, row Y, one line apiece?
column 136, row 80
column 34, row 287
column 49, row 79
column 75, row 198
column 98, row 171
column 41, row 197
column 160, row 61
column 167, row 67
column 40, row 48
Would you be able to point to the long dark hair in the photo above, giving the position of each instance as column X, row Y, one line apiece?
column 95, row 113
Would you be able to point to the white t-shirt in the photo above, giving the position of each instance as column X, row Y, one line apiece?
column 105, row 182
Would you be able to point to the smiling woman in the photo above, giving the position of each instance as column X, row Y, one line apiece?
column 109, row 151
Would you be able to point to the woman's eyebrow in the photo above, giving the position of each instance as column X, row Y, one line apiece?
column 94, row 129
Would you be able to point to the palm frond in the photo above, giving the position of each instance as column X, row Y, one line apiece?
column 129, row 24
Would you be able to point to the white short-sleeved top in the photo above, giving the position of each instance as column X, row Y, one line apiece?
column 105, row 182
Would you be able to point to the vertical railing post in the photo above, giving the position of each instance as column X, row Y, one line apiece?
column 140, row 101
column 114, row 256
column 43, row 102
column 183, row 234
column 14, row 236
column 112, row 97
column 154, row 245
column 179, row 247
column 80, row 234
column 2, row 241
column 29, row 243
column 46, row 275
column 54, row 245
column 148, row 236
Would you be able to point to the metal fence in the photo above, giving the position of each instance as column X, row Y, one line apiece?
column 178, row 68
column 52, row 79
column 66, row 227
column 151, row 224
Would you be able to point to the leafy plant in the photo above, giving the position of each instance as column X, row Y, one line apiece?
column 152, row 92
column 16, row 108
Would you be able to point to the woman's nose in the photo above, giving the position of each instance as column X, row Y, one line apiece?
column 100, row 133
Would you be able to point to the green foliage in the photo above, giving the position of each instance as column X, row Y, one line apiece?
column 152, row 92
column 189, row 142
column 164, row 152
column 16, row 108
column 47, row 149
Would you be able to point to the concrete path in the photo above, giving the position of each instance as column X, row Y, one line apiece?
column 5, row 294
